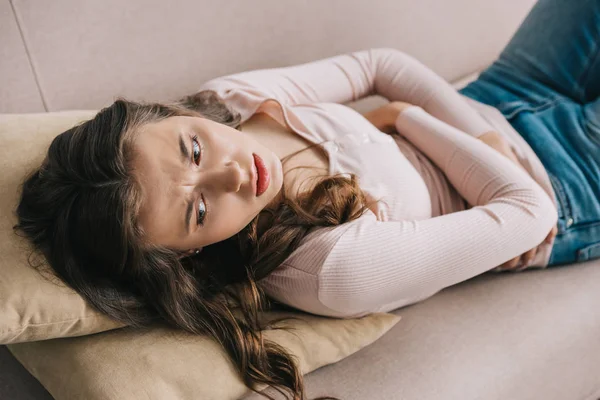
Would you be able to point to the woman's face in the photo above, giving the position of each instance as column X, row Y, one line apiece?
column 200, row 191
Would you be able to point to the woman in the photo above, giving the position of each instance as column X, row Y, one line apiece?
column 157, row 211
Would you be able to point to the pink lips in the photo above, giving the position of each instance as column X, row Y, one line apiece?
column 263, row 175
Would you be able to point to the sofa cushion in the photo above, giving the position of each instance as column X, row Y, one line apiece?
column 158, row 50
column 161, row 363
column 529, row 335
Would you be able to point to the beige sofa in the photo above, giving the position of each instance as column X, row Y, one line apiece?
column 527, row 336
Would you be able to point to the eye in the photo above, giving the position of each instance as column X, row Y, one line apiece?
column 201, row 211
column 196, row 148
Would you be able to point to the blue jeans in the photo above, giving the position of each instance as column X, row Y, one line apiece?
column 546, row 82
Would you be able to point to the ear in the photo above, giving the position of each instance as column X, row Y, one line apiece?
column 191, row 252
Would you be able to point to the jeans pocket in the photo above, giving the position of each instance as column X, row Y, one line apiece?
column 589, row 252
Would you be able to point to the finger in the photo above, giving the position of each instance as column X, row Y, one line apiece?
column 551, row 235
column 528, row 257
column 511, row 263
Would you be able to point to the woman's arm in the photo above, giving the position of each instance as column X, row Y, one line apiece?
column 369, row 265
column 384, row 119
column 348, row 77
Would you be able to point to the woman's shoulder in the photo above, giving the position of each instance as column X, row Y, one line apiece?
column 316, row 247
column 303, row 277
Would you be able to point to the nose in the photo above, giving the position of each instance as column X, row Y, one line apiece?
column 228, row 177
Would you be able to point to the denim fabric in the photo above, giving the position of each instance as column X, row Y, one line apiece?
column 546, row 82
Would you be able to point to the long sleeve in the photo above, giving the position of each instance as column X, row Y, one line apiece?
column 388, row 72
column 369, row 266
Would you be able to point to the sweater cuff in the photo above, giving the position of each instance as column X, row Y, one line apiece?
column 409, row 113
column 414, row 112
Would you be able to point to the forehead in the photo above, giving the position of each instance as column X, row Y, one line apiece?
column 163, row 127
column 175, row 122
column 158, row 168
column 154, row 140
column 154, row 144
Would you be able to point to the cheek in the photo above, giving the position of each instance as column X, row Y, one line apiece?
column 230, row 216
column 242, row 141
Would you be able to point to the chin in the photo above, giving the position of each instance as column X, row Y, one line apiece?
column 278, row 181
column 275, row 197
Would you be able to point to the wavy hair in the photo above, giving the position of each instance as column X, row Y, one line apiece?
column 79, row 209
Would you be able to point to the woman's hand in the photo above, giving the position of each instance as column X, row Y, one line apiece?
column 525, row 258
column 497, row 142
column 384, row 117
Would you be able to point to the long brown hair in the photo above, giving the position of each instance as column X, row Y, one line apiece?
column 79, row 210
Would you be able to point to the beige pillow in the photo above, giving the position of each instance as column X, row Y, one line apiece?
column 123, row 363
column 31, row 306
column 160, row 363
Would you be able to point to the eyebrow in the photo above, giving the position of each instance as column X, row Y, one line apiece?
column 185, row 157
column 185, row 154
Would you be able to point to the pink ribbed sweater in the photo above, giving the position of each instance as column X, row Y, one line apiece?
column 452, row 207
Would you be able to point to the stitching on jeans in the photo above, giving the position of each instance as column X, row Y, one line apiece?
column 583, row 254
column 568, row 204
column 564, row 200
column 591, row 251
column 558, row 195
